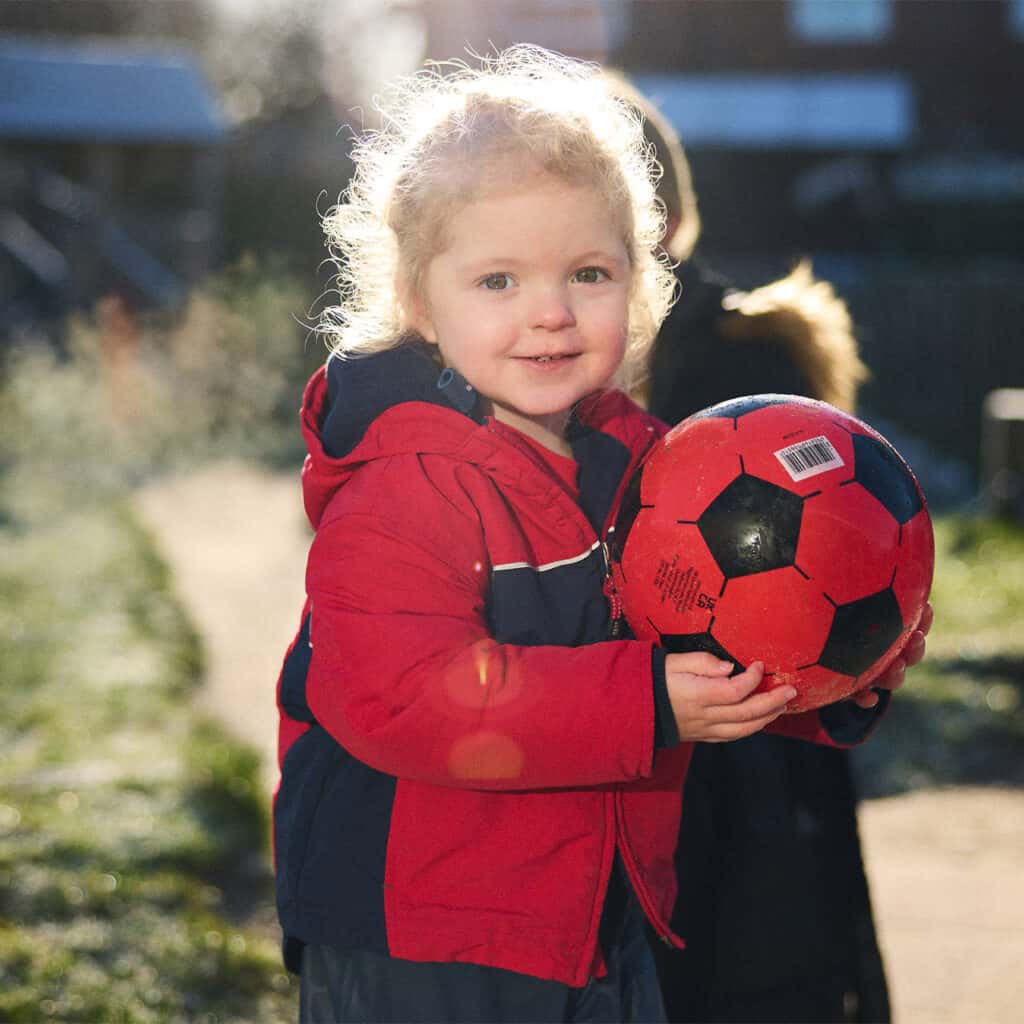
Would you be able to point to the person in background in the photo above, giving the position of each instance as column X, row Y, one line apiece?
column 773, row 899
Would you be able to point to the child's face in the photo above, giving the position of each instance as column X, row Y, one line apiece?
column 529, row 301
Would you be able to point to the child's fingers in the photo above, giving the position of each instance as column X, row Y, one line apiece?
column 892, row 678
column 735, row 721
column 724, row 732
column 869, row 698
column 767, row 704
column 718, row 709
column 733, row 690
column 914, row 651
column 744, row 712
column 927, row 618
column 698, row 663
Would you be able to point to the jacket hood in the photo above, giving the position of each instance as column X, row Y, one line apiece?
column 398, row 402
column 370, row 407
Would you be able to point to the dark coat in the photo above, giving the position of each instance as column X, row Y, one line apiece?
column 774, row 904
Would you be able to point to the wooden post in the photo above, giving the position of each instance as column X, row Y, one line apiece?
column 119, row 338
column 1002, row 453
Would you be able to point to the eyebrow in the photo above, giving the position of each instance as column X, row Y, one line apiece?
column 599, row 256
column 499, row 263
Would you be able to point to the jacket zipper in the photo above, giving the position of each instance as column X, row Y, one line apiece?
column 663, row 931
column 661, row 928
column 616, row 618
column 612, row 595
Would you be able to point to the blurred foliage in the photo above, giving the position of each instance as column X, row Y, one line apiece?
column 290, row 206
column 131, row 833
column 960, row 717
column 134, row 835
column 224, row 377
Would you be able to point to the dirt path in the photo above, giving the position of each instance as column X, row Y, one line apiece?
column 946, row 868
column 236, row 539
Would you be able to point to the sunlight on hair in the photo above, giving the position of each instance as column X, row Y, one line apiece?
column 453, row 131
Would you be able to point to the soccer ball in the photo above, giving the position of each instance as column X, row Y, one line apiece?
column 780, row 529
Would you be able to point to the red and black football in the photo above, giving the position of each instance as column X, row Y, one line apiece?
column 780, row 529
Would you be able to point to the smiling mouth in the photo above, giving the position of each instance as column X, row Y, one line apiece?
column 550, row 359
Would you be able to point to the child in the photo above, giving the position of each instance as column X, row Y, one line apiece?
column 479, row 792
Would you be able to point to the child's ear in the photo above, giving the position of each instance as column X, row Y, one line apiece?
column 415, row 314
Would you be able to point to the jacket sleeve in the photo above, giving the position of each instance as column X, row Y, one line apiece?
column 404, row 674
column 842, row 724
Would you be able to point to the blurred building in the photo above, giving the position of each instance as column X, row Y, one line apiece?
column 589, row 29
column 857, row 125
column 875, row 126
column 110, row 177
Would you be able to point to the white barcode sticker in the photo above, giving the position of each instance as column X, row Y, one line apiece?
column 809, row 458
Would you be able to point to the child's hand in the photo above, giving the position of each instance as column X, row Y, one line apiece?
column 892, row 678
column 711, row 707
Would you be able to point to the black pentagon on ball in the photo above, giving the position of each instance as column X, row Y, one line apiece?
column 687, row 643
column 881, row 472
column 862, row 631
column 752, row 526
column 734, row 408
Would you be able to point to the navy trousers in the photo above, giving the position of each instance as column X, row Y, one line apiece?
column 352, row 985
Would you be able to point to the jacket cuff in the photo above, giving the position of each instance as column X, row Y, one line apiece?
column 666, row 732
column 847, row 724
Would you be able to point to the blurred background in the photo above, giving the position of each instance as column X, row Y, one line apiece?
column 163, row 168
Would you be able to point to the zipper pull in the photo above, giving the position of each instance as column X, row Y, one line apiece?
column 612, row 595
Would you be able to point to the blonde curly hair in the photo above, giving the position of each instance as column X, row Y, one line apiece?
column 450, row 131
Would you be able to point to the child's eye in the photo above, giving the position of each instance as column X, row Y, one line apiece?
column 497, row 282
column 590, row 275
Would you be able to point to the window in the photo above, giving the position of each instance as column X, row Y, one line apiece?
column 1015, row 17
column 842, row 21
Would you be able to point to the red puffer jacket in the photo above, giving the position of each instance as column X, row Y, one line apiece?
column 462, row 750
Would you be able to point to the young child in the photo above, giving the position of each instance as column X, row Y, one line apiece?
column 479, row 792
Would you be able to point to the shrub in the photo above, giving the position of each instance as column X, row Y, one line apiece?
column 129, row 398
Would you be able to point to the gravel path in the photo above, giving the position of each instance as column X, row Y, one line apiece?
column 946, row 867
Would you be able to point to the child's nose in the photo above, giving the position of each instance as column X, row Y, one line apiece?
column 552, row 311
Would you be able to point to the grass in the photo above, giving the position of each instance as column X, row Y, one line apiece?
column 960, row 717
column 134, row 853
column 134, row 879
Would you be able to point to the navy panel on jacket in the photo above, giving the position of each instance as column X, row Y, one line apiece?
column 360, row 389
column 323, row 791
column 602, row 460
column 292, row 695
column 561, row 604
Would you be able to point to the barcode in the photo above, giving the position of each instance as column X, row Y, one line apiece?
column 809, row 458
